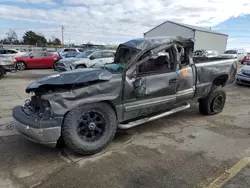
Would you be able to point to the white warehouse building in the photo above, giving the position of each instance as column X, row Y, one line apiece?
column 204, row 38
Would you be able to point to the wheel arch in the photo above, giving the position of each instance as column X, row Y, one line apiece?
column 82, row 64
column 220, row 80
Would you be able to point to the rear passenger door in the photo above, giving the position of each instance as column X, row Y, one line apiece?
column 187, row 76
column 48, row 60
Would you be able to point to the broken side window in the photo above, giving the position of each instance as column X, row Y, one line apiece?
column 160, row 62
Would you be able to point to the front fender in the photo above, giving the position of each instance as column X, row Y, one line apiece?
column 62, row 102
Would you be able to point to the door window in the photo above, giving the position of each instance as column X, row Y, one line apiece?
column 38, row 54
column 11, row 52
column 107, row 54
column 96, row 55
column 159, row 63
column 49, row 54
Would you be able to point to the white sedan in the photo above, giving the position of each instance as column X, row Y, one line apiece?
column 10, row 53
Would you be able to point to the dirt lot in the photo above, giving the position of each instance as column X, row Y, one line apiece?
column 183, row 150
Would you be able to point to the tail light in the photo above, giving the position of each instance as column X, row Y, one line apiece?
column 245, row 59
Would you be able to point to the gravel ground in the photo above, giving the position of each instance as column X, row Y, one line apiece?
column 182, row 150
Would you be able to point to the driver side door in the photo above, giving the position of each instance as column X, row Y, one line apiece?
column 35, row 60
column 152, row 89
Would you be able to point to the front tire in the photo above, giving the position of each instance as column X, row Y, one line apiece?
column 214, row 102
column 20, row 65
column 89, row 128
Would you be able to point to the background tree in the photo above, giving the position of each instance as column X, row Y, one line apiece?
column 11, row 36
column 57, row 41
column 31, row 38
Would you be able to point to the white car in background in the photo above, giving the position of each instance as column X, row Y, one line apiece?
column 235, row 53
column 87, row 59
column 10, row 53
column 95, row 59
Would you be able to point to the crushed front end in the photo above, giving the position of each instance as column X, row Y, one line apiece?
column 36, row 121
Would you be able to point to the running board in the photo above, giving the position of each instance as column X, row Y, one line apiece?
column 144, row 120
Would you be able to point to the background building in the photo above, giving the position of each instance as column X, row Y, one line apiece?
column 204, row 38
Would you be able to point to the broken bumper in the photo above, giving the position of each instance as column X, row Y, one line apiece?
column 45, row 132
column 9, row 67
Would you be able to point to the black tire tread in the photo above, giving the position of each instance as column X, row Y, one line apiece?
column 69, row 141
column 1, row 72
column 204, row 103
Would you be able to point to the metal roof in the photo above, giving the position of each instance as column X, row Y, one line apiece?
column 147, row 43
column 195, row 28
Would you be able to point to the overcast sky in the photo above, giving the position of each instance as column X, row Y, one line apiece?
column 115, row 21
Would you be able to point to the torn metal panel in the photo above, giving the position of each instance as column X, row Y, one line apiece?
column 62, row 102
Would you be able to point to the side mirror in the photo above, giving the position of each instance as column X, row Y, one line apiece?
column 91, row 58
column 31, row 56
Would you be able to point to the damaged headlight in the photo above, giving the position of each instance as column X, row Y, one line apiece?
column 39, row 107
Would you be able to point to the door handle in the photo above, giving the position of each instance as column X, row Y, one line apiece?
column 173, row 81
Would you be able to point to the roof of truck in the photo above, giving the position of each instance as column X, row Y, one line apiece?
column 147, row 43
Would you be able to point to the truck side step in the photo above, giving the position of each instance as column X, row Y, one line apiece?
column 147, row 119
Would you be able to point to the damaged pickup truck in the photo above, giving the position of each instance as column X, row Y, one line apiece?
column 149, row 79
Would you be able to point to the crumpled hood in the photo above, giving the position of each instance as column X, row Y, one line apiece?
column 77, row 76
column 245, row 69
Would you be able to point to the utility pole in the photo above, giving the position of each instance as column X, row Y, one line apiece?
column 62, row 35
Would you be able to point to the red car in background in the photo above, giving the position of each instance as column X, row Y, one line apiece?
column 36, row 60
column 246, row 59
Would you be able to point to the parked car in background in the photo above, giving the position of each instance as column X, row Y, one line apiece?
column 6, row 65
column 64, row 64
column 88, row 58
column 36, row 60
column 69, row 54
column 95, row 59
column 10, row 52
column 71, row 50
column 246, row 59
column 239, row 54
column 243, row 75
column 205, row 53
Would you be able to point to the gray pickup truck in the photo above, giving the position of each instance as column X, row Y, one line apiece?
column 149, row 79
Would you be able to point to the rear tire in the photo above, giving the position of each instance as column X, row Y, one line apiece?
column 214, row 102
column 2, row 72
column 89, row 128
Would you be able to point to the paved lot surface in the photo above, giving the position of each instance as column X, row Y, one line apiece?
column 183, row 150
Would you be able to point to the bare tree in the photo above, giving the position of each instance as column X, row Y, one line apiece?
column 11, row 36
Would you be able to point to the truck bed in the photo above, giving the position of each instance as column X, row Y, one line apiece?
column 208, row 59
